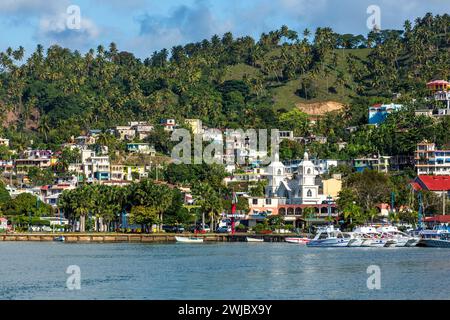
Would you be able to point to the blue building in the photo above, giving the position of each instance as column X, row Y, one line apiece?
column 379, row 112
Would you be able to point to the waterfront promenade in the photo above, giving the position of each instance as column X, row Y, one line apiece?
column 131, row 238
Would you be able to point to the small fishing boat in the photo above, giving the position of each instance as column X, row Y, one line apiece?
column 297, row 240
column 249, row 239
column 189, row 240
column 59, row 239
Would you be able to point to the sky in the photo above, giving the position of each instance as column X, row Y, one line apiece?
column 143, row 26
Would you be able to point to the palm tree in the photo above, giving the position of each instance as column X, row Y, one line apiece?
column 307, row 214
column 44, row 126
column 209, row 200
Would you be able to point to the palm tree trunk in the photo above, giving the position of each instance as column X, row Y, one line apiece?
column 82, row 223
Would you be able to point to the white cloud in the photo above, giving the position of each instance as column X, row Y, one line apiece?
column 56, row 29
column 31, row 7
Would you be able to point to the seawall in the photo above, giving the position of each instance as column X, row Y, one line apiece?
column 131, row 238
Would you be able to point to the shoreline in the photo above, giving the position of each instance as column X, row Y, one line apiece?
column 130, row 238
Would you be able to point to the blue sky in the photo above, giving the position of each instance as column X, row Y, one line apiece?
column 143, row 26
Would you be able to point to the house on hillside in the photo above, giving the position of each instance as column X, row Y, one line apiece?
column 379, row 112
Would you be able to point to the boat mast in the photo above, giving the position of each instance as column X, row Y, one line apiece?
column 420, row 210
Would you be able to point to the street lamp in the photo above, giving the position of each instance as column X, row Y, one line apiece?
column 329, row 202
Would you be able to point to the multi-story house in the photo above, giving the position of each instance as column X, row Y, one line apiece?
column 41, row 159
column 380, row 163
column 125, row 132
column 143, row 148
column 379, row 112
column 440, row 90
column 50, row 193
column 92, row 167
column 431, row 161
column 169, row 124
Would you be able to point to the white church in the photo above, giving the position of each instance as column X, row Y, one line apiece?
column 301, row 188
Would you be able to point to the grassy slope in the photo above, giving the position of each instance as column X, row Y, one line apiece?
column 284, row 93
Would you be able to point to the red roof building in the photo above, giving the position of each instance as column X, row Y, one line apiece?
column 438, row 219
column 438, row 85
column 432, row 183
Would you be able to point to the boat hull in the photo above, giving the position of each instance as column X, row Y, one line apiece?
column 188, row 240
column 248, row 239
column 301, row 241
column 435, row 243
column 356, row 243
column 327, row 243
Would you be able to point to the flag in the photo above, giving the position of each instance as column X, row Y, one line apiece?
column 234, row 202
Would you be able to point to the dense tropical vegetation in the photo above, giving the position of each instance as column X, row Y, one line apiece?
column 231, row 82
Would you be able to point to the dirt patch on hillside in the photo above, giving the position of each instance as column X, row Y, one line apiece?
column 320, row 108
column 9, row 118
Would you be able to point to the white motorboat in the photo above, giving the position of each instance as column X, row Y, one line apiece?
column 302, row 241
column 438, row 237
column 403, row 239
column 355, row 239
column 373, row 238
column 329, row 237
column 250, row 239
column 189, row 240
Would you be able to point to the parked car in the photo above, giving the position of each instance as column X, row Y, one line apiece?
column 198, row 228
column 173, row 229
column 223, row 230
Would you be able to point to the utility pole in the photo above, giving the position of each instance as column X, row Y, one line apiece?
column 444, row 202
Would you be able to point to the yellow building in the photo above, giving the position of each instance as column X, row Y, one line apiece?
column 195, row 125
column 332, row 187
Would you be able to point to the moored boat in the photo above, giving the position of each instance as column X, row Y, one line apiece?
column 189, row 240
column 402, row 239
column 373, row 238
column 297, row 240
column 329, row 237
column 59, row 239
column 438, row 237
column 250, row 239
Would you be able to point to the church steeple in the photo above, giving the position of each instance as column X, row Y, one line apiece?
column 306, row 156
column 275, row 174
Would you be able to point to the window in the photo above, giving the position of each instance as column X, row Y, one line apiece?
column 268, row 201
column 309, row 171
column 255, row 201
column 309, row 194
column 323, row 236
column 279, row 172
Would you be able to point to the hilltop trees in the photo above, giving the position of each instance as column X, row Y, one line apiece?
column 225, row 81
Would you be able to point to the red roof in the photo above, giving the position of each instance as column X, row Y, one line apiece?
column 416, row 186
column 439, row 219
column 437, row 82
column 435, row 183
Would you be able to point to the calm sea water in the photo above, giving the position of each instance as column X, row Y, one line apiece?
column 220, row 271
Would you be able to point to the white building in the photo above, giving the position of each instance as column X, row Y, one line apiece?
column 4, row 142
column 431, row 161
column 302, row 188
column 94, row 168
